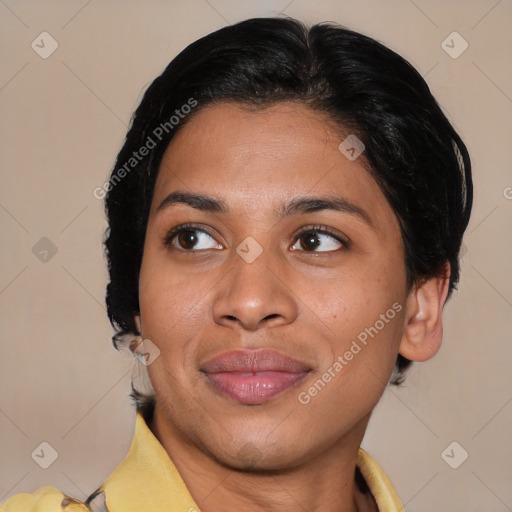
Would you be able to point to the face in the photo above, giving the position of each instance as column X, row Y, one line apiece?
column 272, row 283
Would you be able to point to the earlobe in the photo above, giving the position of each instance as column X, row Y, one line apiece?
column 423, row 329
column 138, row 322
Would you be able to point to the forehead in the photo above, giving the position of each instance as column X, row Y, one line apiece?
column 256, row 158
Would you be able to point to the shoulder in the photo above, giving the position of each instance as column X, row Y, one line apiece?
column 45, row 499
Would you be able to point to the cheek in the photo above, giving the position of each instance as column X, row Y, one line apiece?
column 355, row 299
column 172, row 304
column 170, row 314
column 361, row 316
column 361, row 354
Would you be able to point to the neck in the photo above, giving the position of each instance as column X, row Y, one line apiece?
column 326, row 482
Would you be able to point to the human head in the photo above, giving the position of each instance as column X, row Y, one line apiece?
column 411, row 149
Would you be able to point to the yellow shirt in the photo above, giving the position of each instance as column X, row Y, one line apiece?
column 148, row 481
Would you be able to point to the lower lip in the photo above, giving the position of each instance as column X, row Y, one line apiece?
column 255, row 387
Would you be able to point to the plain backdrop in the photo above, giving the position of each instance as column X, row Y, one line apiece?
column 63, row 119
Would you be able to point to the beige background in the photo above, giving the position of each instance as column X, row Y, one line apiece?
column 62, row 122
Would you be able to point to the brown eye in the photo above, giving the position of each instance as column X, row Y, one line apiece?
column 317, row 240
column 187, row 239
column 309, row 241
column 190, row 238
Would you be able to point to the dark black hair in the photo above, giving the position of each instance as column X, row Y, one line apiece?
column 411, row 149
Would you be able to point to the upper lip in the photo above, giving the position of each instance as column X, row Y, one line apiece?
column 260, row 360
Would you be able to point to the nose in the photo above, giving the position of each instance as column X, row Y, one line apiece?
column 254, row 295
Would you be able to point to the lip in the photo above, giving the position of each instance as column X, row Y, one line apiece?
column 254, row 376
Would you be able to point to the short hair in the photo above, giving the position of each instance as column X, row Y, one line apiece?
column 411, row 149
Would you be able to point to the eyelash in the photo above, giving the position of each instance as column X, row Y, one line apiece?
column 315, row 228
column 322, row 230
column 188, row 226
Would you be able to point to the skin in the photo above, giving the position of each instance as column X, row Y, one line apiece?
column 307, row 302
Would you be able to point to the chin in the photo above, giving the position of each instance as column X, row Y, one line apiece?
column 251, row 458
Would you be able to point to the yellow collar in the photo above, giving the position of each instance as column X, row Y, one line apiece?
column 147, row 479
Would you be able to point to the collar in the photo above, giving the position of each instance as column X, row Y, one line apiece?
column 379, row 484
column 147, row 479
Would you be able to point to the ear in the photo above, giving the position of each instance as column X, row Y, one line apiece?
column 423, row 331
column 138, row 323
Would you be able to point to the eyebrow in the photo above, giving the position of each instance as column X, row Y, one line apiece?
column 298, row 205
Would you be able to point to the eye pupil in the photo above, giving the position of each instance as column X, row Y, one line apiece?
column 309, row 241
column 187, row 239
